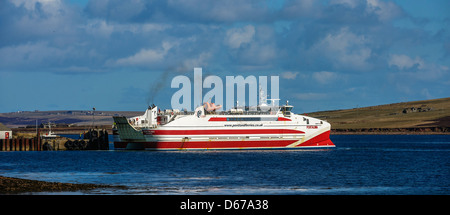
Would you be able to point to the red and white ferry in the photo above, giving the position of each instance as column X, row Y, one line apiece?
column 261, row 127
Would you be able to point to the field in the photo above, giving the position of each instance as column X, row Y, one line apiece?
column 417, row 114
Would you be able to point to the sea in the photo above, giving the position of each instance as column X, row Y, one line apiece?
column 358, row 165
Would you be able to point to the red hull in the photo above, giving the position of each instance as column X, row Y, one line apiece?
column 322, row 140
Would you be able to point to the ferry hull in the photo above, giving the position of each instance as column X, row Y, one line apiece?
column 319, row 141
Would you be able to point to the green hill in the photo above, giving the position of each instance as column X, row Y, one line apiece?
column 426, row 115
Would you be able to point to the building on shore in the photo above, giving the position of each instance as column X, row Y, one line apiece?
column 5, row 132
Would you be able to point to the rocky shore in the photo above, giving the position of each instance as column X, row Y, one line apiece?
column 10, row 185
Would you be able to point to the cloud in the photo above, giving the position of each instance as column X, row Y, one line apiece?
column 289, row 75
column 405, row 62
column 384, row 10
column 235, row 37
column 300, row 8
column 197, row 61
column 117, row 33
column 48, row 6
column 147, row 56
column 35, row 20
column 417, row 77
column 116, row 10
column 344, row 50
column 219, row 11
column 144, row 56
column 251, row 48
column 185, row 11
column 315, row 43
column 349, row 3
column 418, row 68
column 99, row 28
column 324, row 77
column 30, row 55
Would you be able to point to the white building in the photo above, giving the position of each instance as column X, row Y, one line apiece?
column 5, row 132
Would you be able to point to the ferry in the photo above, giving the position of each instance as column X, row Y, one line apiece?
column 261, row 127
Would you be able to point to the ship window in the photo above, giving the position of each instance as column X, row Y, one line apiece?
column 244, row 119
column 286, row 110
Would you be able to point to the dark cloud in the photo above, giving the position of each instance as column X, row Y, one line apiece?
column 187, row 11
column 116, row 10
column 311, row 42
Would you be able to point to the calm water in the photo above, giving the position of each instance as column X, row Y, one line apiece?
column 360, row 164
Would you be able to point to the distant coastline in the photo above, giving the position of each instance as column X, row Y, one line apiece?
column 415, row 117
column 392, row 131
column 346, row 131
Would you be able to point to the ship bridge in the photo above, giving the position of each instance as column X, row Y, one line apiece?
column 286, row 109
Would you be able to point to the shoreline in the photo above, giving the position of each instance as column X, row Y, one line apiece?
column 12, row 186
column 336, row 131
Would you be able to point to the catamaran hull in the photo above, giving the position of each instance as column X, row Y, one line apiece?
column 321, row 140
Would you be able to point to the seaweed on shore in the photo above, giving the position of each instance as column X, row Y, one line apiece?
column 10, row 185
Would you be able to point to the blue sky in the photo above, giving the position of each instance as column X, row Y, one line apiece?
column 122, row 55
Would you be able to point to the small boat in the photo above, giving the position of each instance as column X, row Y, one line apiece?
column 49, row 134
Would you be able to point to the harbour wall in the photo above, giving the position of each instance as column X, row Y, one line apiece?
column 93, row 139
column 21, row 144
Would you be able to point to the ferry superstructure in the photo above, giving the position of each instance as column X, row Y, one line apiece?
column 206, row 128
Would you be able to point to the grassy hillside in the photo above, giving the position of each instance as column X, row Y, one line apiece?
column 416, row 114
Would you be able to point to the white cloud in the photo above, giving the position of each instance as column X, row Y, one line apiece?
column 41, row 19
column 414, row 71
column 235, row 37
column 384, row 10
column 324, row 77
column 405, row 62
column 345, row 49
column 49, row 6
column 289, row 75
column 252, row 48
column 146, row 56
column 99, row 27
column 200, row 61
column 143, row 57
column 102, row 28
